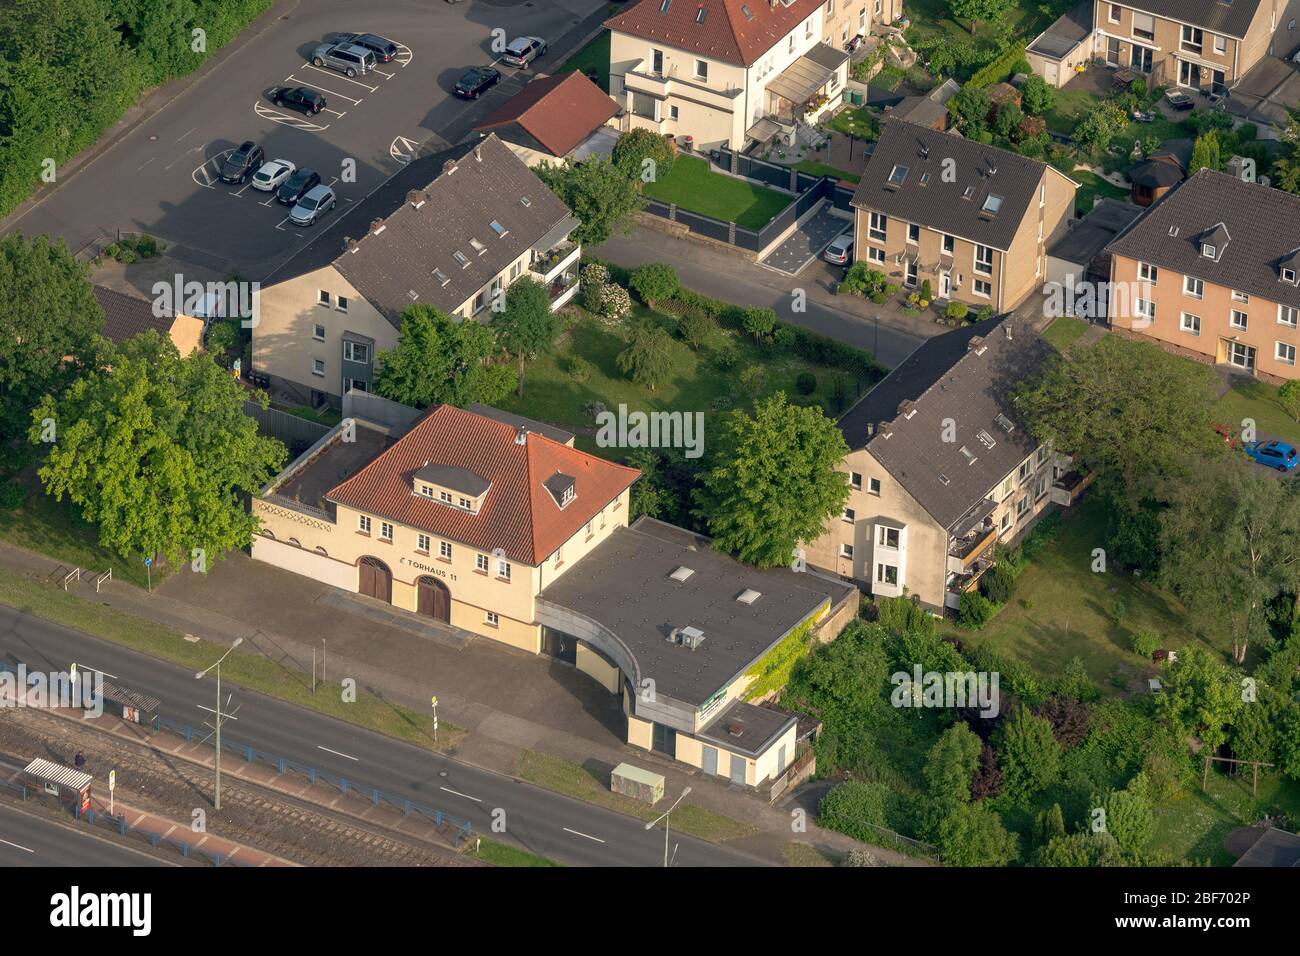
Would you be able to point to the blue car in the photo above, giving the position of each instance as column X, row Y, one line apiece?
column 1275, row 454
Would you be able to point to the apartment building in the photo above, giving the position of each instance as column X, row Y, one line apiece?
column 1212, row 272
column 495, row 524
column 734, row 72
column 940, row 469
column 1200, row 44
column 452, row 230
column 974, row 220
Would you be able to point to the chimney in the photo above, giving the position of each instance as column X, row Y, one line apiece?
column 975, row 342
column 351, row 245
column 521, row 436
column 415, row 198
column 905, row 407
column 448, row 167
column 376, row 226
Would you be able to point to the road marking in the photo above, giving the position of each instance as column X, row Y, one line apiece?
column 105, row 673
column 145, row 163
column 402, row 48
column 382, row 73
column 339, row 76
column 459, row 794
column 326, row 109
column 284, row 119
column 19, row 847
column 324, row 89
column 211, row 711
column 186, row 133
column 586, row 835
column 336, row 753
column 402, row 149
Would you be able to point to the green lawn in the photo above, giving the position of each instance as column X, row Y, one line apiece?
column 503, row 854
column 862, row 122
column 326, row 416
column 693, row 186
column 1065, row 331
column 1258, row 401
column 821, row 169
column 593, row 56
column 574, row 780
column 551, row 393
column 1061, row 609
column 1091, row 185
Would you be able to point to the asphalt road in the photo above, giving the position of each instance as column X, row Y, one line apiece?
column 546, row 823
column 733, row 278
column 160, row 178
column 28, row 840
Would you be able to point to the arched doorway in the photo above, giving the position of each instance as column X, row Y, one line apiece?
column 376, row 579
column 433, row 599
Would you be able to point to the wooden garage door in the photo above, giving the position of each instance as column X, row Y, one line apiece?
column 434, row 599
column 376, row 580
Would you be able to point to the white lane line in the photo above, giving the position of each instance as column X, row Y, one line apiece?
column 324, row 89
column 586, row 835
column 337, row 754
column 19, row 847
column 339, row 76
column 186, row 133
column 145, row 163
column 211, row 711
column 457, row 793
column 105, row 673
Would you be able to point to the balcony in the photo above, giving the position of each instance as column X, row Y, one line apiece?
column 549, row 264
column 562, row 289
column 661, row 86
column 1067, row 489
column 960, row 583
column 966, row 550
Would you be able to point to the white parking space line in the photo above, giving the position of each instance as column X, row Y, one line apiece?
column 323, row 89
column 387, row 76
column 145, row 163
column 334, row 74
column 242, row 189
column 186, row 133
column 403, row 60
column 587, row 836
column 337, row 754
column 326, row 109
column 284, row 119
column 98, row 671
column 457, row 793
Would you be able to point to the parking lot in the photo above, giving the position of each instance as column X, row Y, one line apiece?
column 162, row 178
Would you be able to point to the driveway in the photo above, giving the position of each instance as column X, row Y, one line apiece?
column 807, row 242
column 160, row 177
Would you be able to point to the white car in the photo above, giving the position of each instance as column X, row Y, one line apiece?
column 840, row 251
column 272, row 174
column 524, row 50
column 319, row 200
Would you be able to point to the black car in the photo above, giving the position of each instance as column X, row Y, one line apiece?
column 242, row 163
column 384, row 50
column 297, row 186
column 475, row 82
column 298, row 98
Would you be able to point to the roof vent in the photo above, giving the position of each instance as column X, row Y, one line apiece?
column 943, row 479
column 1006, row 424
column 907, row 408
column 736, row 728
column 969, row 455
column 985, row 438
column 748, row 596
column 1173, row 231
column 681, row 574
column 975, row 342
column 691, row 637
column 521, row 435
column 351, row 245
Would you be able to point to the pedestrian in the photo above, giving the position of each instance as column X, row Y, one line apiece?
column 79, row 760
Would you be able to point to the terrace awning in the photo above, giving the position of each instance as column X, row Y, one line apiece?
column 801, row 80
column 763, row 130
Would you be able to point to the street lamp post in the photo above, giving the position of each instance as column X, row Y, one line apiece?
column 216, row 796
column 875, row 339
column 665, row 819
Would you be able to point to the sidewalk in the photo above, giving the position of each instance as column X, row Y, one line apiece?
column 507, row 700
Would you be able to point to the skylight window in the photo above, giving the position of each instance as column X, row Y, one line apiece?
column 749, row 14
column 992, row 204
column 499, row 229
column 461, row 258
column 441, row 277
column 477, row 246
column 1208, row 250
column 699, row 16
column 748, row 596
column 681, row 574
column 986, row 439
column 898, row 175
column 969, row 455
column 970, row 191
column 525, row 201
column 663, row 7
column 925, row 178
column 1006, row 424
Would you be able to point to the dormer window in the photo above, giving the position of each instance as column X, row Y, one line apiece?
column 1208, row 250
column 1288, row 275
column 898, row 175
column 562, row 488
column 992, row 204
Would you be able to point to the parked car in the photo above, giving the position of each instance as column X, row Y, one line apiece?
column 242, row 163
column 273, row 174
column 1179, row 100
column 1275, row 454
column 840, row 251
column 297, row 186
column 522, row 51
column 298, row 98
column 476, row 81
column 347, row 58
column 310, row 207
column 383, row 49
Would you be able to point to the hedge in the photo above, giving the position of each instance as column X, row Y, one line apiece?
column 999, row 69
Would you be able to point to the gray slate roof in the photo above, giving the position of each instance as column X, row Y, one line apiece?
column 949, row 377
column 1063, row 36
column 126, row 316
column 1231, row 18
column 629, row 592
column 1089, row 235
column 1264, row 224
column 944, row 205
column 465, row 189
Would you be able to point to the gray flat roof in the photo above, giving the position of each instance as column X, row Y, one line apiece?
column 746, row 728
column 1069, row 30
column 1090, row 235
column 510, row 418
column 625, row 585
column 1274, row 848
column 332, row 464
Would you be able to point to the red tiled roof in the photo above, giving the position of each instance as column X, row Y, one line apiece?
column 518, row 514
column 726, row 33
column 557, row 111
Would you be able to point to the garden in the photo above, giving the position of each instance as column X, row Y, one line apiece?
column 692, row 185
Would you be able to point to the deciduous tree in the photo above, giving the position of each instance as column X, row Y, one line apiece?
column 527, row 327
column 438, row 360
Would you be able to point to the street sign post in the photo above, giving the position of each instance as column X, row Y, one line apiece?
column 148, row 570
column 112, row 784
column 72, row 671
column 434, row 701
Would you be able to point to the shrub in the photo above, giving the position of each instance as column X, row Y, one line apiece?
column 697, row 328
column 1288, row 396
column 580, row 370
column 1037, row 96
column 927, row 291
column 1068, row 717
column 654, row 282
column 594, row 278
column 760, row 324
column 594, row 409
column 12, row 495
column 805, row 383
column 997, row 583
column 957, row 310
column 975, row 610
column 854, row 808
column 902, row 615
column 615, row 303
column 725, row 356
column 1146, row 643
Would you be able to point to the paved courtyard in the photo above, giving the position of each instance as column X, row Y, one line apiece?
column 807, row 242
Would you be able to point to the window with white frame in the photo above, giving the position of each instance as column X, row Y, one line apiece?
column 1005, row 523
column 318, row 367
column 873, row 485
column 673, row 113
column 1144, row 26
column 1284, row 353
column 318, row 333
column 876, row 226
column 846, row 550
column 503, row 570
column 1288, row 315
column 1193, row 287
column 848, row 514
column 342, row 303
column 1190, row 324
column 1239, row 296
column 913, row 233
column 422, row 543
column 1193, row 39
column 984, row 260
column 875, row 254
column 983, row 287
column 1113, row 12
column 1148, row 273
column 702, row 70
column 1238, row 320
column 887, row 537
column 1144, row 309
column 1288, row 275
column 1022, row 506
column 481, row 563
column 385, row 531
column 855, row 481
column 887, row 574
column 1026, row 467
column 322, row 297
column 948, row 244
column 444, row 550
column 1220, row 44
column 356, row 352
column 1040, row 490
column 363, row 524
